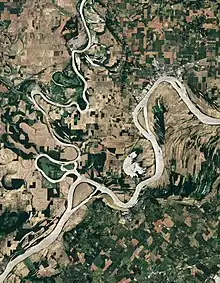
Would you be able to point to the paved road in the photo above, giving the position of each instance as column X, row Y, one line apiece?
column 159, row 162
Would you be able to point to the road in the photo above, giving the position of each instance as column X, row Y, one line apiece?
column 159, row 162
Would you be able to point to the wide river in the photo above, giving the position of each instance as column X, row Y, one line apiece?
column 146, row 132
